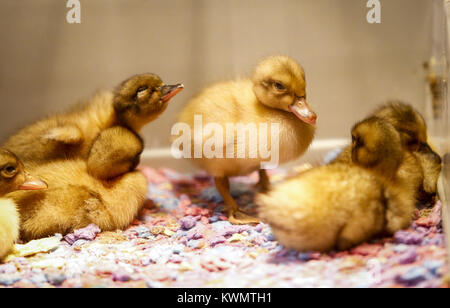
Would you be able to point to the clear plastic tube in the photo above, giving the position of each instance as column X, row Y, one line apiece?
column 436, row 79
column 442, row 122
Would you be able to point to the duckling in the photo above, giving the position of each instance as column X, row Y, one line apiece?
column 103, row 131
column 341, row 205
column 422, row 167
column 276, row 93
column 413, row 130
column 88, row 157
column 408, row 122
column 76, row 199
column 12, row 178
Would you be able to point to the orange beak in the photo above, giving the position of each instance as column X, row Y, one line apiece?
column 170, row 91
column 32, row 183
column 303, row 111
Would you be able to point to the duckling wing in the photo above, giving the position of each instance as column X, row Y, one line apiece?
column 68, row 134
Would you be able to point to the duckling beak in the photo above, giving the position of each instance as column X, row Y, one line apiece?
column 32, row 183
column 169, row 91
column 302, row 110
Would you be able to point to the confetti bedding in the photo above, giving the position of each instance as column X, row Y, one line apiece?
column 182, row 239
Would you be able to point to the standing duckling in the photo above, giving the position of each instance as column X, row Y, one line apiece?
column 341, row 205
column 12, row 178
column 275, row 94
column 104, row 131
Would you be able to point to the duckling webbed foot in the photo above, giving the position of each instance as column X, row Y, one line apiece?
column 235, row 215
column 240, row 218
column 116, row 151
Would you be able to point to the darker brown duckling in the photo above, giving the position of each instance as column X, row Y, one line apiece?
column 104, row 131
column 423, row 167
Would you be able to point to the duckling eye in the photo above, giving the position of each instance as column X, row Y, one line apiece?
column 142, row 89
column 9, row 171
column 357, row 141
column 412, row 143
column 142, row 92
column 279, row 86
column 424, row 148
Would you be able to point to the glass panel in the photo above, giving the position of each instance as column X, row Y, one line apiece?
column 443, row 122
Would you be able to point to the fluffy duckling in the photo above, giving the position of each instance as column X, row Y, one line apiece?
column 76, row 199
column 104, row 131
column 341, row 205
column 423, row 166
column 88, row 157
column 408, row 122
column 276, row 93
column 413, row 131
column 12, row 178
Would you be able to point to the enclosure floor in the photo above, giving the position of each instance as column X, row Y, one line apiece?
column 182, row 239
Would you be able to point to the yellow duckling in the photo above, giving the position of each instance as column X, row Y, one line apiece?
column 76, row 199
column 12, row 178
column 276, row 93
column 341, row 205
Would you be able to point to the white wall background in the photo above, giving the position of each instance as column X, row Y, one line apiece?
column 46, row 64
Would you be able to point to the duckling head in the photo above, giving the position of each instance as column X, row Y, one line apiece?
column 279, row 82
column 407, row 121
column 376, row 145
column 13, row 176
column 142, row 98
